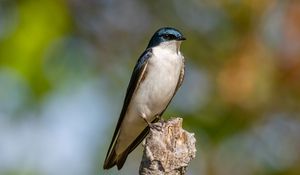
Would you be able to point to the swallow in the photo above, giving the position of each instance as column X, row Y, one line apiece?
column 155, row 79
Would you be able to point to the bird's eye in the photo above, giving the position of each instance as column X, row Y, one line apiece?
column 167, row 37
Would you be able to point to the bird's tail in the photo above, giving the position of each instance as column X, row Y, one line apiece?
column 113, row 159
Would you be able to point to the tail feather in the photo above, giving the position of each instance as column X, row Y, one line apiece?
column 115, row 159
column 110, row 161
column 122, row 158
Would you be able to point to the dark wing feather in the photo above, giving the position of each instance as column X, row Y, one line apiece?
column 136, row 77
column 181, row 77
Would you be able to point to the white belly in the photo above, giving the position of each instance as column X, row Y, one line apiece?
column 159, row 85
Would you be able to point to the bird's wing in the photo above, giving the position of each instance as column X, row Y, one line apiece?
column 181, row 77
column 136, row 77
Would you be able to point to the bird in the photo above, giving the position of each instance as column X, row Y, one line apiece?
column 156, row 77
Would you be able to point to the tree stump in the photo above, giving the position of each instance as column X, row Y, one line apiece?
column 168, row 149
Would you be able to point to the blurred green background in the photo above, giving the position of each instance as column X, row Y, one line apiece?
column 65, row 66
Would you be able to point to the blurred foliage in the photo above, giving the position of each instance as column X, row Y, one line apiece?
column 39, row 23
column 243, row 75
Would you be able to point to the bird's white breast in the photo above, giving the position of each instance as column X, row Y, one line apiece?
column 158, row 87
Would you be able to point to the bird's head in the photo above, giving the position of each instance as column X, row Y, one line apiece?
column 165, row 35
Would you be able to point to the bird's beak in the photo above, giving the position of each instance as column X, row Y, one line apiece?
column 182, row 38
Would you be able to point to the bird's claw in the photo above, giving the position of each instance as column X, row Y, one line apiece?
column 155, row 126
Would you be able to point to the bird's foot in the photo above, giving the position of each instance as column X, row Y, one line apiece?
column 155, row 126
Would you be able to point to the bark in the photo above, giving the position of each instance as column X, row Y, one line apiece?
column 168, row 149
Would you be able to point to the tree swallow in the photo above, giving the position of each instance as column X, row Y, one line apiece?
column 156, row 77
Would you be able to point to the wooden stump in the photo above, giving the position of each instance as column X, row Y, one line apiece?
column 168, row 149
